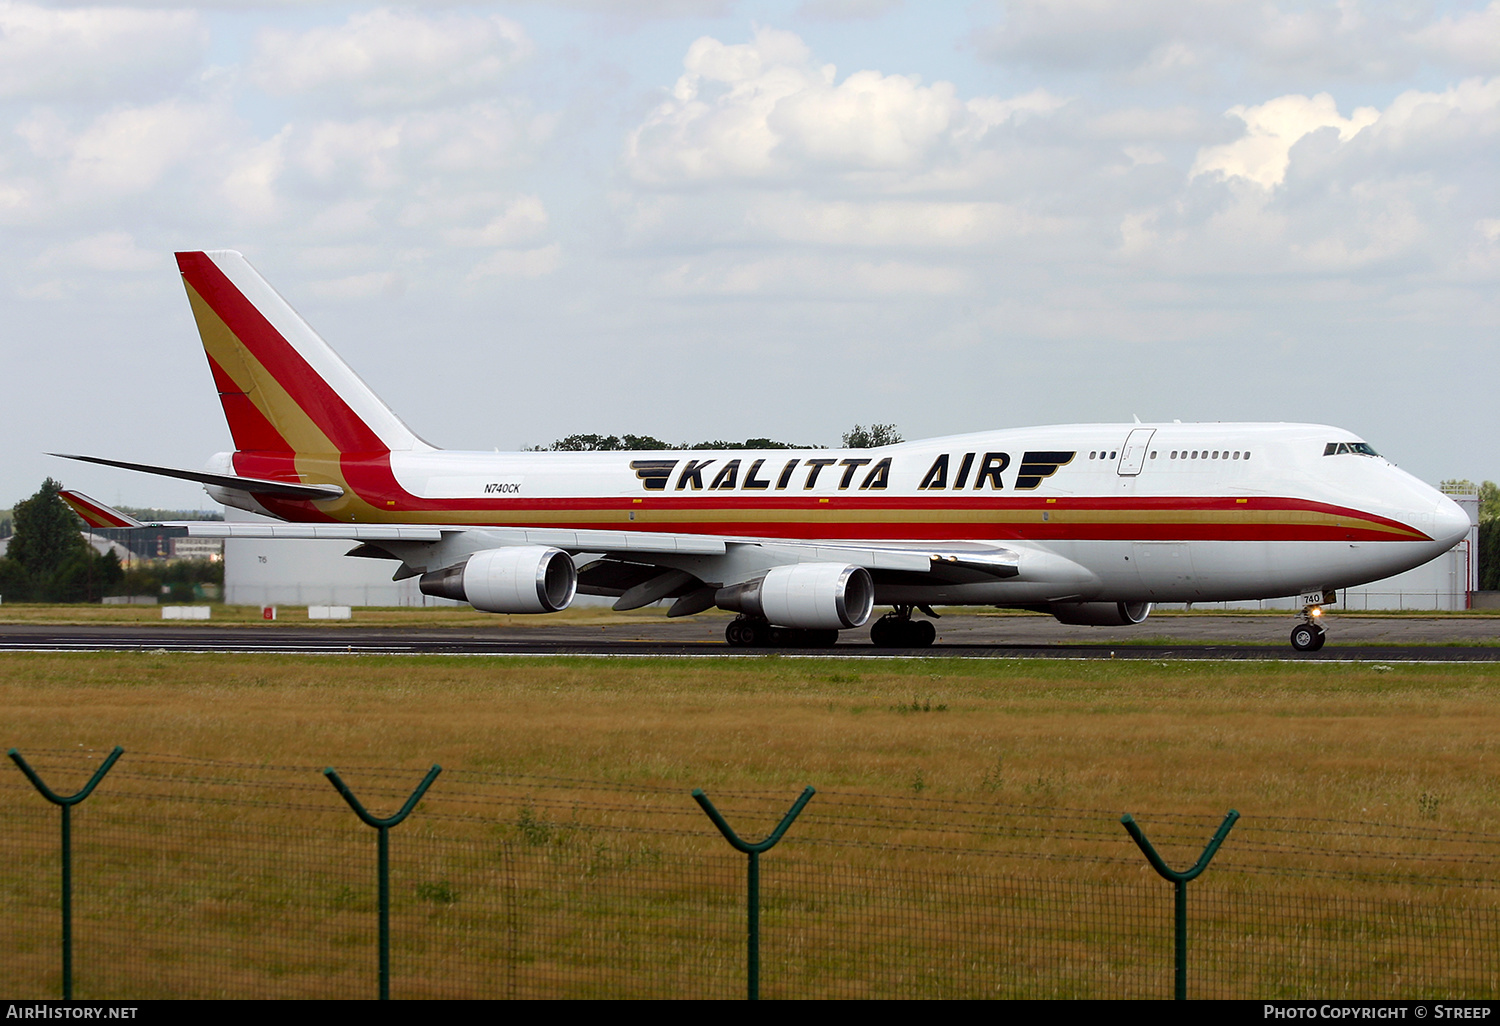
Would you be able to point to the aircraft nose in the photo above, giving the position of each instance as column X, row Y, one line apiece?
column 1450, row 524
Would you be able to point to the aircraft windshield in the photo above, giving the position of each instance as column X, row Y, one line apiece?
column 1353, row 448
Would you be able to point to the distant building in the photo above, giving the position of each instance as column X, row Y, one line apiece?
column 211, row 549
column 298, row 572
column 99, row 545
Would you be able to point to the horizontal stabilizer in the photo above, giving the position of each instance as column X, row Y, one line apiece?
column 253, row 485
column 96, row 513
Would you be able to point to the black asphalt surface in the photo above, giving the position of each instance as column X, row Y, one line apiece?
column 1375, row 639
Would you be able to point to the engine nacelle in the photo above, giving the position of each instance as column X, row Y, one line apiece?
column 815, row 596
column 1100, row 614
column 513, row 579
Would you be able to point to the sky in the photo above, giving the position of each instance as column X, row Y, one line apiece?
column 715, row 219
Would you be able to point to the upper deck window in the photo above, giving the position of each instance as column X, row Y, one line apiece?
column 1352, row 448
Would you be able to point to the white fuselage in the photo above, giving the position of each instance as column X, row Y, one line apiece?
column 1095, row 512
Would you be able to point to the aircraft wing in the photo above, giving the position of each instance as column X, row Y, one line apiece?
column 997, row 561
column 635, row 546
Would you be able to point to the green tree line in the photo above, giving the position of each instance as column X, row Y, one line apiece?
column 857, row 437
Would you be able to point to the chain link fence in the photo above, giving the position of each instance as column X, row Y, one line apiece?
column 201, row 879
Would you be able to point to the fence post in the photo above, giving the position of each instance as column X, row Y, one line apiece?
column 1181, row 881
column 383, row 862
column 752, row 912
column 66, row 804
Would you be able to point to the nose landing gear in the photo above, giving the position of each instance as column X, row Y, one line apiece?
column 1309, row 635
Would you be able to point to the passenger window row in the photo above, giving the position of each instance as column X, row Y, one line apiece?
column 1209, row 454
column 1183, row 454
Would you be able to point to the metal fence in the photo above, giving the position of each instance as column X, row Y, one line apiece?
column 197, row 878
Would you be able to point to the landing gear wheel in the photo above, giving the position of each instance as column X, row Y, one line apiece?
column 1308, row 637
column 897, row 629
column 745, row 632
column 736, row 634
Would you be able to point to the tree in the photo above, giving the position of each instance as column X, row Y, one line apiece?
column 1489, row 501
column 48, row 559
column 46, row 535
column 1489, row 527
column 872, row 437
column 1489, row 554
column 636, row 443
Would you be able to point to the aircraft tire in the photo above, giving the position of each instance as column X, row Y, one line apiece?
column 750, row 632
column 923, row 633
column 1308, row 637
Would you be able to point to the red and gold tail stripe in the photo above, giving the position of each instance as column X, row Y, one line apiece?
column 92, row 513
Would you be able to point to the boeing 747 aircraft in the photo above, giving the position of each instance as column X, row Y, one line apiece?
column 1092, row 523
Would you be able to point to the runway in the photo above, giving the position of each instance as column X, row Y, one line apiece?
column 1377, row 639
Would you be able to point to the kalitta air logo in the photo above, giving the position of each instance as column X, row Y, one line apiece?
column 1034, row 467
column 950, row 471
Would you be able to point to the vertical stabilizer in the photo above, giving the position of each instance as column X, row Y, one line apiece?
column 283, row 388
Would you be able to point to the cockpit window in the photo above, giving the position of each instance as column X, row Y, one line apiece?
column 1352, row 448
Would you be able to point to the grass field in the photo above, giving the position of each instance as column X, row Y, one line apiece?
column 1341, row 772
column 1273, row 739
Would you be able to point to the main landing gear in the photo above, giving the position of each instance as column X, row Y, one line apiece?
column 897, row 629
column 754, row 632
column 1309, row 635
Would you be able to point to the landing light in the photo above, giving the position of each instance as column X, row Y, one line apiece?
column 1315, row 611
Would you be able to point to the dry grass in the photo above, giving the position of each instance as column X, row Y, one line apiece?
column 1280, row 739
column 577, row 772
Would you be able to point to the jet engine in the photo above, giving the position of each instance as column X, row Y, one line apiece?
column 513, row 579
column 1100, row 614
column 815, row 596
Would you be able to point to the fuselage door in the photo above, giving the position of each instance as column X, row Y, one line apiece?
column 1133, row 455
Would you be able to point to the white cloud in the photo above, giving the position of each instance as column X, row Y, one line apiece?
column 250, row 183
column 1414, row 119
column 846, row 10
column 893, row 223
column 765, row 110
column 809, row 275
column 1472, row 39
column 521, row 221
column 1271, row 130
column 390, row 58
column 519, row 263
column 359, row 286
column 121, row 153
column 1156, row 40
column 94, row 52
column 1470, row 108
column 107, row 251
